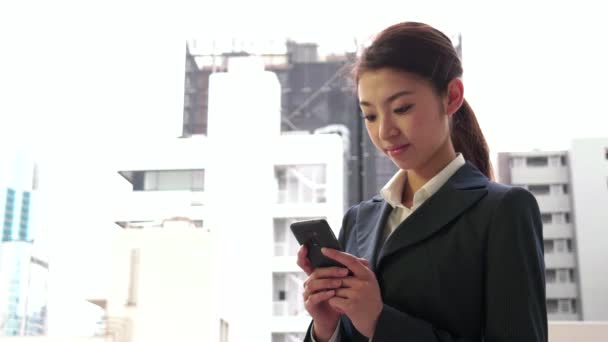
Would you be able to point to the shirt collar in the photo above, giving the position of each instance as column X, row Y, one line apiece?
column 392, row 192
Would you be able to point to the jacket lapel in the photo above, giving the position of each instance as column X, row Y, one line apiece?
column 371, row 215
column 465, row 188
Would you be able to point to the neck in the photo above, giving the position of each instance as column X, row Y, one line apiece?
column 416, row 178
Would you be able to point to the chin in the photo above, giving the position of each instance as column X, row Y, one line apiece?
column 403, row 164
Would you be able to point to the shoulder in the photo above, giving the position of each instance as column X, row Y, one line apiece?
column 507, row 194
column 503, row 203
column 374, row 201
column 362, row 210
column 513, row 206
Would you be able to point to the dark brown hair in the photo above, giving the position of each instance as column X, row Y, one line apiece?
column 427, row 52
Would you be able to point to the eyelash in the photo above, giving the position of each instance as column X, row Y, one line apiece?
column 403, row 109
column 400, row 110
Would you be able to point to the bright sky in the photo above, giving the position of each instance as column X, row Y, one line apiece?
column 80, row 81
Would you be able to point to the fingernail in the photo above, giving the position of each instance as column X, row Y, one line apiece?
column 343, row 271
column 323, row 250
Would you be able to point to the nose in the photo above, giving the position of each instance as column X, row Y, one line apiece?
column 388, row 129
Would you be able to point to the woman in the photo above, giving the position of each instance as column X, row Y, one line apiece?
column 444, row 254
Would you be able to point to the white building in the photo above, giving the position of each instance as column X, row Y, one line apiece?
column 23, row 260
column 307, row 174
column 589, row 174
column 572, row 191
column 205, row 249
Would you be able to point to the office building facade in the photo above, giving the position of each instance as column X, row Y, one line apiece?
column 23, row 272
column 571, row 188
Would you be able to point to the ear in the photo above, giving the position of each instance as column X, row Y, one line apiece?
column 455, row 96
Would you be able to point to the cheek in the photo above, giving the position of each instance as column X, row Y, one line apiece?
column 371, row 131
column 425, row 127
column 374, row 134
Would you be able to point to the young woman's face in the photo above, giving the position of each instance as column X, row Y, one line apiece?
column 404, row 117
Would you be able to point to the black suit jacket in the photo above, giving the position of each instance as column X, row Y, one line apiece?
column 467, row 265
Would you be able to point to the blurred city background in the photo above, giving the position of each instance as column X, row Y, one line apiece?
column 153, row 156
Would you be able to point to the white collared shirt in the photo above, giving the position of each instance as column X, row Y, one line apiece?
column 392, row 193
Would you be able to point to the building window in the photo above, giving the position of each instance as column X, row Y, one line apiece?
column 563, row 245
column 563, row 275
column 537, row 161
column 564, row 161
column 606, row 153
column 570, row 245
column 550, row 276
column 572, row 275
column 9, row 207
column 560, row 245
column 549, row 246
column 24, row 219
column 555, row 161
column 538, row 190
column 567, row 217
column 172, row 180
column 567, row 306
column 287, row 293
column 301, row 183
column 552, row 306
column 547, row 218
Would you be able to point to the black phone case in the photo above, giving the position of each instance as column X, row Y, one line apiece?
column 316, row 234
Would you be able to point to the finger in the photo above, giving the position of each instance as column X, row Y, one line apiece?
column 345, row 293
column 302, row 252
column 329, row 272
column 348, row 260
column 318, row 297
column 339, row 304
column 303, row 261
column 352, row 282
column 318, row 285
column 364, row 262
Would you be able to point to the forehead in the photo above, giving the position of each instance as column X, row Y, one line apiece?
column 375, row 84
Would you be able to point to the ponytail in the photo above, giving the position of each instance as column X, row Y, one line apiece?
column 468, row 139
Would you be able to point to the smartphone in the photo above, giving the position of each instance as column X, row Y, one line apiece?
column 316, row 234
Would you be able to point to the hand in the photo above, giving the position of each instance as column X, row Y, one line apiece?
column 359, row 298
column 318, row 288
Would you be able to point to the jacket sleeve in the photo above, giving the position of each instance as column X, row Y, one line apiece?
column 515, row 272
column 514, row 282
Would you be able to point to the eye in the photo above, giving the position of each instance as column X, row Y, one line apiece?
column 369, row 117
column 403, row 109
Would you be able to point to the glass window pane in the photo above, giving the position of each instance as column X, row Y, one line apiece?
column 549, row 275
column 537, row 161
column 549, row 246
column 540, row 189
column 552, row 306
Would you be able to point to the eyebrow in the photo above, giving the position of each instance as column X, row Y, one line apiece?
column 390, row 98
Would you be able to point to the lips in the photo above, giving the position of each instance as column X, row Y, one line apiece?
column 393, row 150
